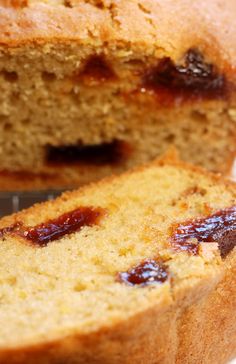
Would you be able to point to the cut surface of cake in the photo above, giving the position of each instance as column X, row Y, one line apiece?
column 90, row 88
column 134, row 269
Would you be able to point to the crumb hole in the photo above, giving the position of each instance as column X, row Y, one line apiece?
column 97, row 3
column 3, row 119
column 97, row 68
column 135, row 63
column 170, row 138
column 198, row 116
column 48, row 76
column 96, row 260
column 7, row 127
column 15, row 97
column 25, row 122
column 79, row 286
column 11, row 281
column 10, row 76
column 143, row 9
column 67, row 4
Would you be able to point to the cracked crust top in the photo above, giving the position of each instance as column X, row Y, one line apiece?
column 168, row 26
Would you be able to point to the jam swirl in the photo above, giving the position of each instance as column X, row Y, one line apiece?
column 194, row 78
column 55, row 229
column 219, row 227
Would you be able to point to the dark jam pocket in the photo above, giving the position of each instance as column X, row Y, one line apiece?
column 146, row 273
column 65, row 224
column 99, row 154
column 195, row 77
column 54, row 229
column 219, row 227
column 97, row 68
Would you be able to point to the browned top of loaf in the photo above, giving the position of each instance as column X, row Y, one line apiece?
column 168, row 26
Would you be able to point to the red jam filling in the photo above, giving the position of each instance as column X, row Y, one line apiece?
column 114, row 152
column 55, row 229
column 194, row 78
column 65, row 224
column 219, row 227
column 97, row 68
column 146, row 273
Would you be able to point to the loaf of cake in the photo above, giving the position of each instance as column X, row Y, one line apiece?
column 135, row 269
column 92, row 87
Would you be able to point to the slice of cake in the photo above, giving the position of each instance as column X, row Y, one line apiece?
column 135, row 269
column 89, row 88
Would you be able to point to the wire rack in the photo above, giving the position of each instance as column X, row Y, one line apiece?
column 15, row 201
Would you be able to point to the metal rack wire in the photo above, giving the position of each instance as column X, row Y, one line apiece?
column 14, row 201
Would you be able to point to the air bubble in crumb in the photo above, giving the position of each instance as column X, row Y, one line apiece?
column 79, row 287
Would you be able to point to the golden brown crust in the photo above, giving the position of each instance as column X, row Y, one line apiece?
column 140, row 24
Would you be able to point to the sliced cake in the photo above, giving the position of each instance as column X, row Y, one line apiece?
column 134, row 269
column 89, row 88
